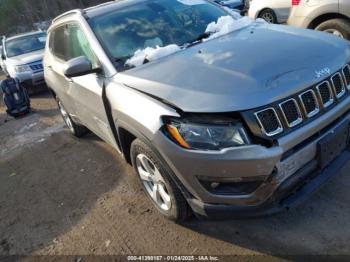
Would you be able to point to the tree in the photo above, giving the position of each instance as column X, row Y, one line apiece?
column 19, row 15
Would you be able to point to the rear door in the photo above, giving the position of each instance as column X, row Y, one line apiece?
column 86, row 90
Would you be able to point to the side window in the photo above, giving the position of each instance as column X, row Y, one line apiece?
column 57, row 43
column 78, row 45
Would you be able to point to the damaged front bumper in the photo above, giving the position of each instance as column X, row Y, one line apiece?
column 269, row 179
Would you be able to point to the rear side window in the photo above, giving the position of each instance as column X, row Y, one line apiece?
column 58, row 43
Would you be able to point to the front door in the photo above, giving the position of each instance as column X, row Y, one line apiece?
column 87, row 90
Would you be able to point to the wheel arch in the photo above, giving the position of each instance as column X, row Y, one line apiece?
column 266, row 9
column 126, row 138
column 322, row 18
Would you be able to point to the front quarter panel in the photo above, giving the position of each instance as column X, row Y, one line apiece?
column 137, row 112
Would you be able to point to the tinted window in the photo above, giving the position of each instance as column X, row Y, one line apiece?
column 57, row 42
column 78, row 45
column 152, row 23
column 25, row 44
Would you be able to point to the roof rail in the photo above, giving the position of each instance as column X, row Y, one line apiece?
column 75, row 11
column 100, row 5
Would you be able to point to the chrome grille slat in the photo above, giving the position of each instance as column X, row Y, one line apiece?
column 309, row 103
column 291, row 112
column 346, row 75
column 338, row 85
column 269, row 121
column 325, row 93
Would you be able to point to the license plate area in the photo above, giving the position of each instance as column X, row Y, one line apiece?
column 331, row 146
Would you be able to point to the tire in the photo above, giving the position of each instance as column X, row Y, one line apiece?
column 157, row 182
column 268, row 15
column 76, row 129
column 339, row 27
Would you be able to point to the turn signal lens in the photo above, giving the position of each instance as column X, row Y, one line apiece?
column 176, row 135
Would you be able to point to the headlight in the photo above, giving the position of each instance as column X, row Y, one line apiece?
column 22, row 68
column 209, row 134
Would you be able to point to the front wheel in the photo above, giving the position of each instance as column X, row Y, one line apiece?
column 157, row 183
column 338, row 27
column 75, row 129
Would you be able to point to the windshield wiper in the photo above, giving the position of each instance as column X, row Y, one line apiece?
column 199, row 39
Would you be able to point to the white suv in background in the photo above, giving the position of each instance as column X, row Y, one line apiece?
column 22, row 57
column 273, row 11
column 332, row 16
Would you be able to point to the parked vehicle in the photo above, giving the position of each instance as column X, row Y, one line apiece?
column 22, row 58
column 210, row 123
column 1, row 61
column 272, row 11
column 233, row 4
column 331, row 16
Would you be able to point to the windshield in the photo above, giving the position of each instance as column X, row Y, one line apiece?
column 152, row 23
column 25, row 44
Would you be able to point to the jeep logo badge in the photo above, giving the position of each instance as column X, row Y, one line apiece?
column 323, row 72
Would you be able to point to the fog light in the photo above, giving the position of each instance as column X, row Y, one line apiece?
column 231, row 186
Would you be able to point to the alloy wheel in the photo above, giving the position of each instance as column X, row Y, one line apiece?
column 268, row 17
column 153, row 181
column 335, row 32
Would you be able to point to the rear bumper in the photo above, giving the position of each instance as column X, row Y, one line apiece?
column 289, row 194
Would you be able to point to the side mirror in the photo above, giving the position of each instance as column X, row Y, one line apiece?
column 79, row 66
column 3, row 57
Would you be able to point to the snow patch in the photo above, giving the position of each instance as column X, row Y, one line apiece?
column 228, row 24
column 151, row 54
column 192, row 2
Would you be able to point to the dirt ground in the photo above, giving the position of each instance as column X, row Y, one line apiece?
column 66, row 196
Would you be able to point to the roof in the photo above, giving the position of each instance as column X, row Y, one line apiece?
column 109, row 7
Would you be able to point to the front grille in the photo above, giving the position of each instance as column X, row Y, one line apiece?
column 303, row 106
column 346, row 74
column 309, row 103
column 325, row 92
column 338, row 85
column 36, row 67
column 269, row 122
column 291, row 112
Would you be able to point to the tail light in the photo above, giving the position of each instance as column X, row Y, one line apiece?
column 296, row 2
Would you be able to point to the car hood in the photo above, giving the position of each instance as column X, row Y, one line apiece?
column 26, row 58
column 243, row 70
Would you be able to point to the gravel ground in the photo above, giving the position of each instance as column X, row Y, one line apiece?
column 66, row 196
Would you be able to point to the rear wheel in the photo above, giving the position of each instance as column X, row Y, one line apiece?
column 268, row 15
column 157, row 183
column 338, row 27
column 75, row 129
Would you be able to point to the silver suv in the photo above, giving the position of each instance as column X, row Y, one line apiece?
column 332, row 16
column 21, row 58
column 209, row 121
